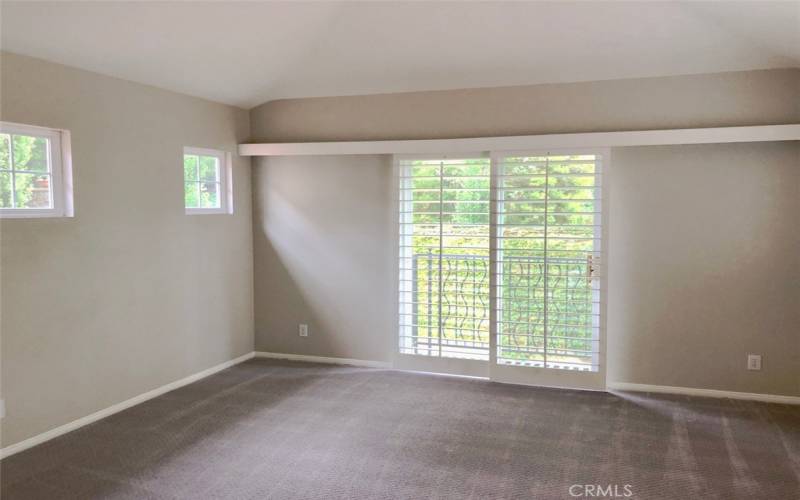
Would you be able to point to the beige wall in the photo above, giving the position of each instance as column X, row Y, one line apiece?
column 703, row 239
column 705, row 266
column 323, row 233
column 716, row 100
column 130, row 294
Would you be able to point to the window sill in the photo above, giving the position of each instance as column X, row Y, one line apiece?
column 207, row 211
column 33, row 214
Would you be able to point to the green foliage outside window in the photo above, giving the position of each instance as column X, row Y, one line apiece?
column 461, row 193
column 26, row 169
column 201, row 181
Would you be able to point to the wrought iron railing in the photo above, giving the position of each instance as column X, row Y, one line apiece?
column 460, row 303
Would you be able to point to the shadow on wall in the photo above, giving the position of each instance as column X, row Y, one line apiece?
column 324, row 256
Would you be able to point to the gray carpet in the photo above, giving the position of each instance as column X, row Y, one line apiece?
column 275, row 429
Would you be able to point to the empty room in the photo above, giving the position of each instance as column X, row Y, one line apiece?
column 399, row 250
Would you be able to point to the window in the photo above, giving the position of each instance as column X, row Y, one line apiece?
column 206, row 186
column 500, row 259
column 444, row 257
column 547, row 258
column 35, row 173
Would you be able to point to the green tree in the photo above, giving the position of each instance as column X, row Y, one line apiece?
column 553, row 196
column 32, row 184
column 201, row 181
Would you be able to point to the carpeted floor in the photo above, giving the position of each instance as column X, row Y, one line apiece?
column 275, row 429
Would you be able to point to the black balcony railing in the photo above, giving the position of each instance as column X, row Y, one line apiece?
column 459, row 301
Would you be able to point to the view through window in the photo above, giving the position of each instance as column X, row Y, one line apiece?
column 548, row 237
column 205, row 175
column 26, row 173
column 444, row 265
column 537, row 227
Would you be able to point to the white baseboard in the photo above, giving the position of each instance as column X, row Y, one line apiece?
column 75, row 424
column 611, row 386
column 322, row 359
column 709, row 393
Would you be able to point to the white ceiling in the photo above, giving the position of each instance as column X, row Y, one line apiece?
column 248, row 53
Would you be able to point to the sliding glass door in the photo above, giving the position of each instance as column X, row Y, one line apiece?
column 500, row 261
column 547, row 261
column 444, row 263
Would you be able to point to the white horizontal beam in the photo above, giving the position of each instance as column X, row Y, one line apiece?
column 758, row 133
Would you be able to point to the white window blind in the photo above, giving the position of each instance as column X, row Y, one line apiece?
column 444, row 257
column 548, row 260
column 515, row 239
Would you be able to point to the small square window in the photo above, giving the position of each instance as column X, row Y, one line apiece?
column 35, row 172
column 206, row 181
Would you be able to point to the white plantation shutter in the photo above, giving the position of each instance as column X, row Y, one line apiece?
column 444, row 257
column 501, row 259
column 548, row 260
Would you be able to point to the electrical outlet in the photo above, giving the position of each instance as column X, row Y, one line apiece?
column 304, row 330
column 753, row 361
column 2, row 408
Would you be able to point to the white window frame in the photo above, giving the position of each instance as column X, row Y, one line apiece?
column 225, row 180
column 60, row 161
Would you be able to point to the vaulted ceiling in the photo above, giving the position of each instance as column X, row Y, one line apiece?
column 251, row 52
